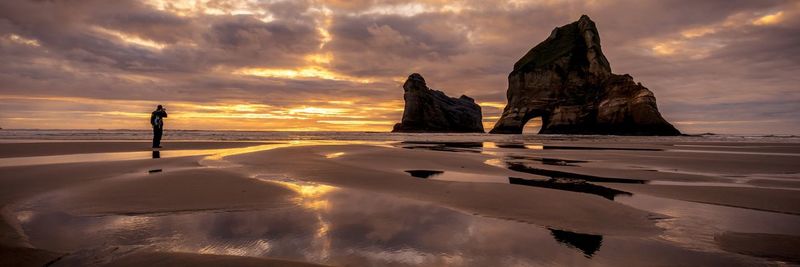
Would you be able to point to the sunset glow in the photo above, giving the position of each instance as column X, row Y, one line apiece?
column 307, row 72
column 23, row 40
column 130, row 39
column 340, row 65
column 769, row 19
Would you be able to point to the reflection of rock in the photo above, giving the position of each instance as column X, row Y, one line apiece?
column 571, row 185
column 588, row 244
column 567, row 81
column 423, row 173
column 522, row 167
column 428, row 110
column 444, row 146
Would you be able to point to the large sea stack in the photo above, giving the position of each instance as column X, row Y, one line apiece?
column 429, row 110
column 567, row 81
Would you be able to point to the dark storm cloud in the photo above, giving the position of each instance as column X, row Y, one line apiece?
column 732, row 69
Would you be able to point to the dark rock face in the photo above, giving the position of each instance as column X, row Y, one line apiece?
column 429, row 110
column 567, row 81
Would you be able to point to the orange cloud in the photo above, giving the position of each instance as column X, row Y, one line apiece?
column 692, row 42
column 770, row 19
column 314, row 72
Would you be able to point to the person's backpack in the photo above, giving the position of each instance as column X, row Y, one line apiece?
column 155, row 120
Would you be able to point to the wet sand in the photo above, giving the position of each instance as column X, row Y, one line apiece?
column 361, row 165
column 30, row 149
column 123, row 187
column 359, row 203
column 766, row 199
column 782, row 247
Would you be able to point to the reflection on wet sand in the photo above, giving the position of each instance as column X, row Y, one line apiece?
column 588, row 244
column 695, row 225
column 566, row 184
column 539, row 146
column 473, row 147
column 105, row 157
column 691, row 225
column 340, row 226
column 214, row 156
column 334, row 155
column 423, row 173
column 311, row 196
column 521, row 167
column 350, row 228
column 601, row 148
column 571, row 185
column 343, row 226
column 547, row 161
column 560, row 180
column 516, row 145
column 456, row 176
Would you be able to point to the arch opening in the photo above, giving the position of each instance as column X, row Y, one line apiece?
column 532, row 126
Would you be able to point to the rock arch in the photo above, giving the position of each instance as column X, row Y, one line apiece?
column 567, row 81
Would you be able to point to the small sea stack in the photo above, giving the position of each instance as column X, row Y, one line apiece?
column 427, row 110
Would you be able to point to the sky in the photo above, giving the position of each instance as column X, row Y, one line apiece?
column 722, row 66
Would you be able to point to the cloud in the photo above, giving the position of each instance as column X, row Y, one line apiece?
column 721, row 65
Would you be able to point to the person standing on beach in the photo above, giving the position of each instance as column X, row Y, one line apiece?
column 157, row 120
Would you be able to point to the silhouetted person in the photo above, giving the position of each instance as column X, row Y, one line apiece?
column 157, row 120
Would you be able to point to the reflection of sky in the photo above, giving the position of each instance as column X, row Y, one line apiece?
column 351, row 228
column 355, row 228
column 338, row 226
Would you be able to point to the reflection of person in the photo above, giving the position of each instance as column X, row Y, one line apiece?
column 157, row 120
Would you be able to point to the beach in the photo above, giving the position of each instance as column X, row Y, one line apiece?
column 376, row 199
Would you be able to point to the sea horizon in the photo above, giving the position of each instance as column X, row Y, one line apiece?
column 259, row 135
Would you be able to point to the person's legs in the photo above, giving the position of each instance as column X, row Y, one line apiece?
column 157, row 131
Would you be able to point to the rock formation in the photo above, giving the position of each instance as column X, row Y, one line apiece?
column 429, row 110
column 567, row 81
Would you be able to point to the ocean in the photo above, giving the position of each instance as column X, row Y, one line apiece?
column 208, row 135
